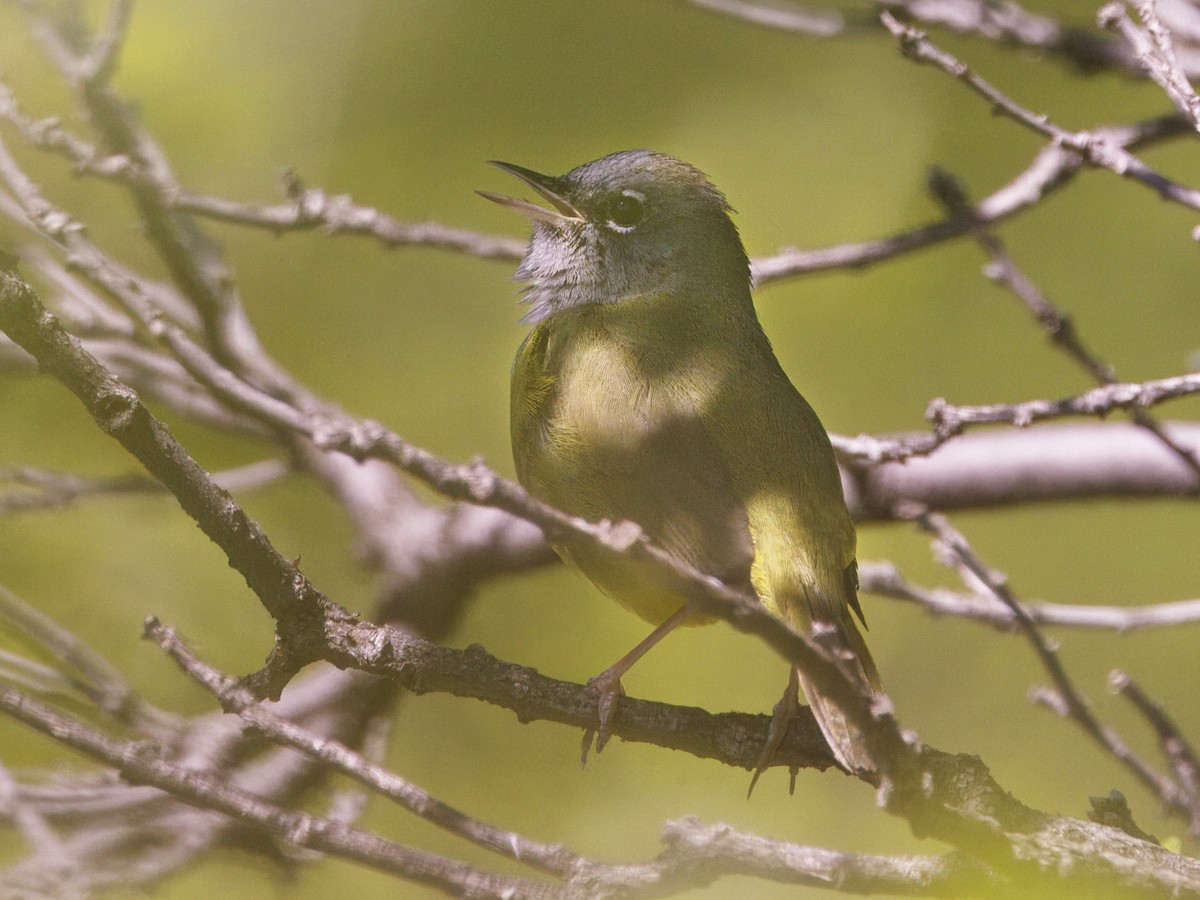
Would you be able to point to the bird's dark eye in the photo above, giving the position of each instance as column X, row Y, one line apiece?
column 626, row 210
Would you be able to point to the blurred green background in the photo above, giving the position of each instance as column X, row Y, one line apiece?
column 815, row 142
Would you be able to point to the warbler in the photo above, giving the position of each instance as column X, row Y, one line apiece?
column 648, row 391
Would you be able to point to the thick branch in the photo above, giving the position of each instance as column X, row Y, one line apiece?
column 959, row 802
column 296, row 605
column 1046, row 463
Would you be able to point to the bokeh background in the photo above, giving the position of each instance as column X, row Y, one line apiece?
column 815, row 142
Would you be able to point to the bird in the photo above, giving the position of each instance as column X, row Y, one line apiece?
column 647, row 391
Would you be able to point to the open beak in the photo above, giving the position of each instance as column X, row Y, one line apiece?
column 545, row 185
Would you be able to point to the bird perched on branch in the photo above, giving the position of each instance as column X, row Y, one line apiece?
column 648, row 391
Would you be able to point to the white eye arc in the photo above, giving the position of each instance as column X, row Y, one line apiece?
column 625, row 210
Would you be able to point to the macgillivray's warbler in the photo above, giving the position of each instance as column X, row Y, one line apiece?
column 648, row 391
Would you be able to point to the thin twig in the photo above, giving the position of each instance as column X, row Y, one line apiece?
column 307, row 208
column 1010, row 23
column 38, row 833
column 778, row 16
column 1154, row 49
column 36, row 488
column 1096, row 150
column 123, row 835
column 950, row 420
column 337, row 214
column 1052, row 168
column 89, row 671
column 99, row 63
column 1175, row 746
column 1004, row 23
column 883, row 579
column 1002, row 269
column 234, row 698
column 1065, row 698
column 144, row 764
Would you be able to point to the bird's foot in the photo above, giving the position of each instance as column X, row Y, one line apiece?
column 782, row 716
column 610, row 690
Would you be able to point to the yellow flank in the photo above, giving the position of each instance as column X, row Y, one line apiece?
column 697, row 435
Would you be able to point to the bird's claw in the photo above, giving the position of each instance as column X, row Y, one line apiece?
column 782, row 716
column 611, row 692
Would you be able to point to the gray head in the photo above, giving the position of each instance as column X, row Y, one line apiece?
column 626, row 225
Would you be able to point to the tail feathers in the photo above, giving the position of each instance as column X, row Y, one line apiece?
column 857, row 646
column 845, row 740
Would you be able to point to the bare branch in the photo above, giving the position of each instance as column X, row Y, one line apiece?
column 37, row 832
column 697, row 854
column 1095, row 149
column 1005, row 467
column 1065, row 698
column 44, row 489
column 883, row 579
column 1052, row 168
column 50, row 135
column 100, row 62
column 338, row 214
column 779, row 16
column 1010, row 23
column 1004, row 23
column 1154, row 49
column 307, row 208
column 140, row 764
column 1002, row 269
column 35, row 488
column 285, row 592
column 1176, row 747
column 89, row 672
column 949, row 420
column 121, row 835
column 958, row 801
column 236, row 699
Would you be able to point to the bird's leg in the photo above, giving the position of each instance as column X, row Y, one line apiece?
column 608, row 682
column 783, row 715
